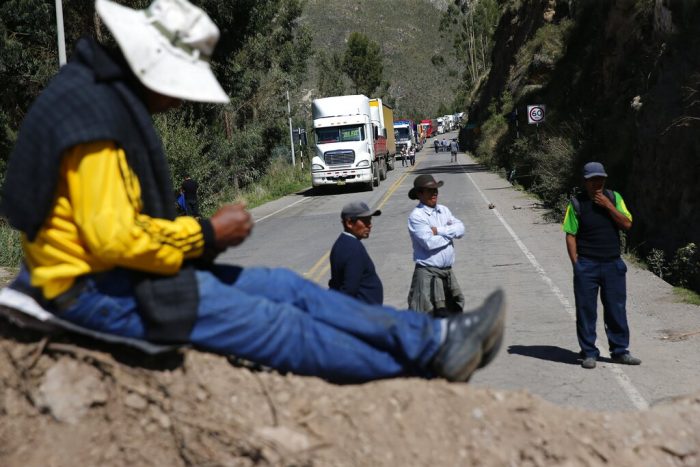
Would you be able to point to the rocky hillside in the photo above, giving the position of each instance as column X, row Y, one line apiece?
column 65, row 404
column 409, row 37
column 620, row 82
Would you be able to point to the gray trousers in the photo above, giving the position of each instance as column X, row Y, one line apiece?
column 435, row 291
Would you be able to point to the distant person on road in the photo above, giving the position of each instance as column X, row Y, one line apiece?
column 592, row 224
column 404, row 156
column 436, row 143
column 412, row 156
column 189, row 189
column 433, row 228
column 89, row 187
column 454, row 147
column 352, row 270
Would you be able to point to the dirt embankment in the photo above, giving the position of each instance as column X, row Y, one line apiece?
column 64, row 403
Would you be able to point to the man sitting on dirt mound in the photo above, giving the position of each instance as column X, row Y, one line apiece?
column 89, row 187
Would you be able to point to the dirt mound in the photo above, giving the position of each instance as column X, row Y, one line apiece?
column 65, row 404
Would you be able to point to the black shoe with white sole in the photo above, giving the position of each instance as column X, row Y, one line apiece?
column 473, row 339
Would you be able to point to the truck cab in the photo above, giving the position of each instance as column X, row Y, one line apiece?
column 345, row 142
column 440, row 126
column 405, row 136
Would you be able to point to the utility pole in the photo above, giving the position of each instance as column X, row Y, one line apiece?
column 60, row 33
column 291, row 136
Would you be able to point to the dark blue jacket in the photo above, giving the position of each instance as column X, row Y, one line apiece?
column 352, row 271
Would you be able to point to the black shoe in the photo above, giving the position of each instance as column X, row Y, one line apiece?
column 589, row 363
column 473, row 339
column 626, row 359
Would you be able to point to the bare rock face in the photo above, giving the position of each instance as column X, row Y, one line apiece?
column 69, row 389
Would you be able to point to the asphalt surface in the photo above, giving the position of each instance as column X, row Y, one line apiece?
column 508, row 246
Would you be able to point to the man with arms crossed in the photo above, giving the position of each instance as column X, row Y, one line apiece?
column 433, row 228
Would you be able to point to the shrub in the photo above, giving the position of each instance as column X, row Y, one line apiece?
column 10, row 246
column 656, row 260
column 684, row 266
column 492, row 131
column 552, row 162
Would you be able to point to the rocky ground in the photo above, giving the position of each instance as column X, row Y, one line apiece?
column 68, row 402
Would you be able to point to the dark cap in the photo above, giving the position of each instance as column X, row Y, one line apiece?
column 594, row 169
column 358, row 209
column 423, row 181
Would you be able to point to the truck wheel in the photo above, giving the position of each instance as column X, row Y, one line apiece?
column 383, row 170
column 392, row 163
column 375, row 175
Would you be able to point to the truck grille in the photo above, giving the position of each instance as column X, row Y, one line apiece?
column 341, row 157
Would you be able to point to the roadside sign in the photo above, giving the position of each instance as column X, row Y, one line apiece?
column 535, row 114
column 300, row 136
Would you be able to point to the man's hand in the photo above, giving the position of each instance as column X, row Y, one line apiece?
column 434, row 229
column 232, row 224
column 603, row 201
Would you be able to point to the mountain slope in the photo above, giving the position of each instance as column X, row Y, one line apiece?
column 408, row 34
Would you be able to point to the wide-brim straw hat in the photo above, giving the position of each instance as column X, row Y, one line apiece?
column 423, row 181
column 168, row 47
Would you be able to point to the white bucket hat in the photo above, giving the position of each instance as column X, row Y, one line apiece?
column 168, row 47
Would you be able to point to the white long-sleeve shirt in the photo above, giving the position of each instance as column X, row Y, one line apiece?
column 430, row 249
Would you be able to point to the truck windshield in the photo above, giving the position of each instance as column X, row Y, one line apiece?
column 340, row 134
column 403, row 134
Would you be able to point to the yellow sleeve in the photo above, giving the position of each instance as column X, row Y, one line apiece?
column 621, row 206
column 570, row 224
column 106, row 199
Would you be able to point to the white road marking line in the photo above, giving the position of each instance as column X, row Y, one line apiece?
column 620, row 376
column 282, row 209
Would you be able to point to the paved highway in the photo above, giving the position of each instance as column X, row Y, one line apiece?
column 509, row 246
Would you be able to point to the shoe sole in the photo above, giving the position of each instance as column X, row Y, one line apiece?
column 489, row 346
column 493, row 344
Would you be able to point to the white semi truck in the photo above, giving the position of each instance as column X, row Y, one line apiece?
column 405, row 136
column 347, row 143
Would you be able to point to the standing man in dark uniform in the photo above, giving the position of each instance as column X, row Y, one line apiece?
column 352, row 270
column 592, row 225
column 189, row 188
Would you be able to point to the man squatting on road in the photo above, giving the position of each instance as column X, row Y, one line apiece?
column 592, row 224
column 433, row 228
column 90, row 190
column 352, row 270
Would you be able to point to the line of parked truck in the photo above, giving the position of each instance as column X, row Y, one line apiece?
column 357, row 139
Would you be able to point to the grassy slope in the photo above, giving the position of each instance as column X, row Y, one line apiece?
column 407, row 31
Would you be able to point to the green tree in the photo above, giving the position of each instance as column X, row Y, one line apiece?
column 471, row 25
column 362, row 62
column 330, row 74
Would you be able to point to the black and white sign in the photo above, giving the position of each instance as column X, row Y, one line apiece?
column 535, row 114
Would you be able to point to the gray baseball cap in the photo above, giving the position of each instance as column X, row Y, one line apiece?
column 594, row 169
column 358, row 209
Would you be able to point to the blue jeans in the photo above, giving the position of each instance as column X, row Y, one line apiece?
column 278, row 319
column 590, row 276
